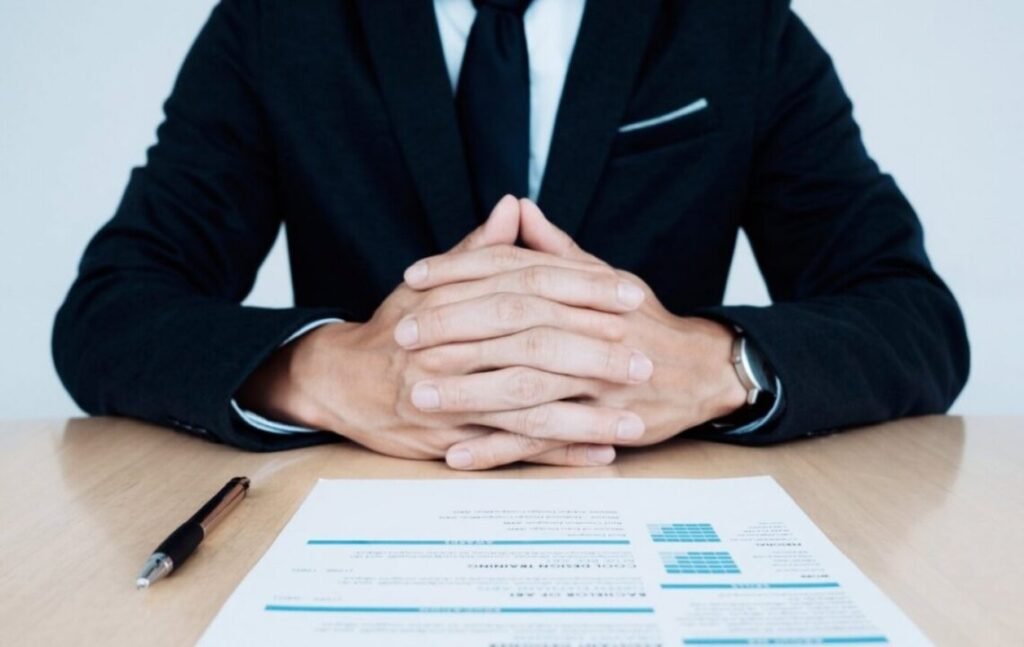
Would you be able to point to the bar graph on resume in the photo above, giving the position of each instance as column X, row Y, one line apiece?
column 531, row 563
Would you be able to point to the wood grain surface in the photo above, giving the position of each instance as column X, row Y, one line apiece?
column 931, row 509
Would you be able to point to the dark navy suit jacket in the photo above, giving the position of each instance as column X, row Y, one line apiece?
column 336, row 118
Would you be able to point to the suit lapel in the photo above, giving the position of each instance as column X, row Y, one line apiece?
column 406, row 51
column 609, row 49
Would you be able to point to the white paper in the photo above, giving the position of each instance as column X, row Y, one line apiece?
column 539, row 563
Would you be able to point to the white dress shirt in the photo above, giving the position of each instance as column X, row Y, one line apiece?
column 551, row 28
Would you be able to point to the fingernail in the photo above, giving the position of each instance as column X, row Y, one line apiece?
column 600, row 455
column 426, row 396
column 640, row 368
column 408, row 333
column 630, row 429
column 629, row 295
column 417, row 273
column 460, row 458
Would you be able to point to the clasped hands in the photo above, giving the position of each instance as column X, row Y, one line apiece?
column 491, row 354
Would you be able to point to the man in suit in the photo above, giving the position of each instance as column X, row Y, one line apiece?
column 581, row 311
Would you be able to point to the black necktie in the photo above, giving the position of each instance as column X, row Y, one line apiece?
column 493, row 102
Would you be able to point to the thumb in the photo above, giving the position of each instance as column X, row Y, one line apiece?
column 542, row 235
column 500, row 228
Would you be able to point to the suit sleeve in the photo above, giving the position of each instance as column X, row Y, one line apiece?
column 861, row 329
column 152, row 327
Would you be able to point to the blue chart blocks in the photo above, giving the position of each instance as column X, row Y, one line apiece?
column 682, row 533
column 694, row 563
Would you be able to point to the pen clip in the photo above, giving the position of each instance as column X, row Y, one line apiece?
column 222, row 503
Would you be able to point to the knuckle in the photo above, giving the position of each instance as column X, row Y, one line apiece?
column 436, row 297
column 610, row 360
column 602, row 325
column 616, row 362
column 575, row 454
column 437, row 324
column 527, row 445
column 402, row 408
column 608, row 422
column 429, row 300
column 449, row 358
column 505, row 255
column 433, row 360
column 478, row 354
column 613, row 326
column 534, row 278
column 438, row 441
column 629, row 276
column 536, row 421
column 509, row 308
column 537, row 342
column 606, row 285
column 403, row 294
column 485, row 456
column 526, row 387
column 456, row 397
column 597, row 281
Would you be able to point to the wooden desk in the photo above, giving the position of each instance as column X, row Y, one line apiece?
column 932, row 509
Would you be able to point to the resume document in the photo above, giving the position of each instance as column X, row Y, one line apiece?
column 536, row 563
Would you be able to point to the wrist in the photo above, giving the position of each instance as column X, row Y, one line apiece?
column 724, row 393
column 284, row 386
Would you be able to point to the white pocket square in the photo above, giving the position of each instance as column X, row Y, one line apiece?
column 688, row 109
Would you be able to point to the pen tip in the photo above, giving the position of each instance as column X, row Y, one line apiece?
column 141, row 583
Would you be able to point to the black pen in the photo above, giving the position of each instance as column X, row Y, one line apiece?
column 177, row 548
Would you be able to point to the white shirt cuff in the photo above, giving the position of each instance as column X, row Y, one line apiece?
column 271, row 426
column 753, row 426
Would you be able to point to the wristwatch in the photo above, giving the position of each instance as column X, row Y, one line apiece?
column 751, row 369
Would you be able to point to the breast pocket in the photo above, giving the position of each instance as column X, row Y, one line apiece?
column 688, row 122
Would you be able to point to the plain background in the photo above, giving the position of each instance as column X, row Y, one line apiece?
column 937, row 84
